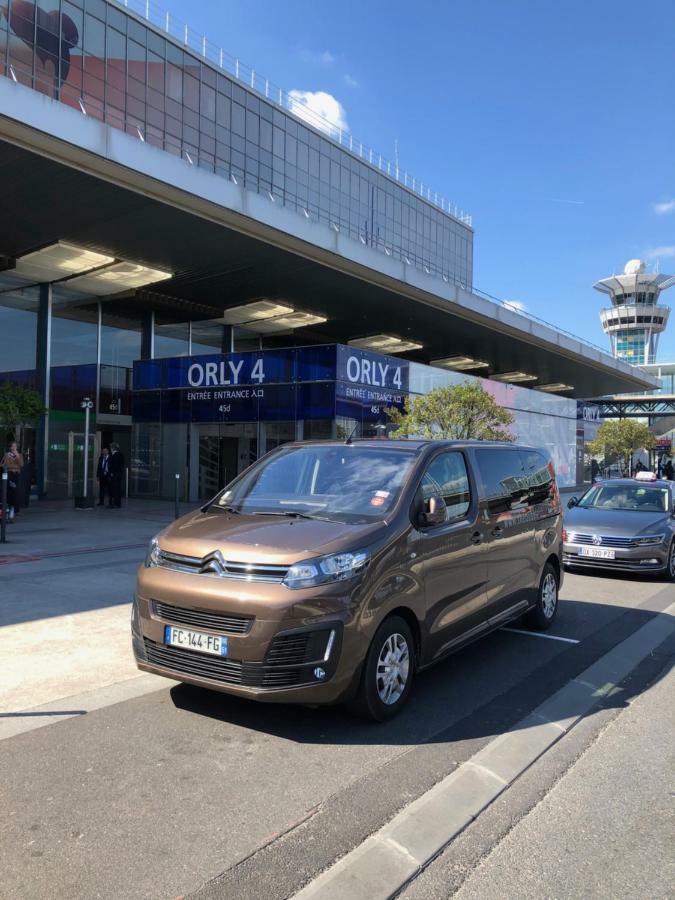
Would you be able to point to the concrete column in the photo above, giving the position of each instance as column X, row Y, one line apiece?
column 43, row 371
column 228, row 339
column 148, row 336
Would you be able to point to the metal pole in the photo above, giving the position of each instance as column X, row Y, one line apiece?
column 176, row 503
column 86, row 447
column 126, row 476
column 3, row 523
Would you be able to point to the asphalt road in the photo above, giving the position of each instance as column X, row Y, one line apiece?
column 187, row 792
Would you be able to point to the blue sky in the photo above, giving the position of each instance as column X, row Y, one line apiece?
column 551, row 122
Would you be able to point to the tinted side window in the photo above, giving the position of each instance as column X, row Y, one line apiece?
column 502, row 478
column 538, row 477
column 447, row 477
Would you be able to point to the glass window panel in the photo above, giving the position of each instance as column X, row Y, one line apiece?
column 252, row 126
column 208, row 102
column 278, row 142
column 174, row 82
column 18, row 325
column 238, row 119
column 191, row 92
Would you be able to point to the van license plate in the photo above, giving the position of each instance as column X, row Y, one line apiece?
column 195, row 640
column 597, row 552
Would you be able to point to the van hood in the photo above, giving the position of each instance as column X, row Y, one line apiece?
column 264, row 539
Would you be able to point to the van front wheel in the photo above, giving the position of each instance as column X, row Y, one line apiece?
column 387, row 672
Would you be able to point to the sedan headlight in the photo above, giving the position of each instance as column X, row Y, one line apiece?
column 153, row 556
column 650, row 539
column 326, row 569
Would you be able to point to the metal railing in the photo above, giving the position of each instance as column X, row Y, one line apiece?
column 528, row 315
column 252, row 79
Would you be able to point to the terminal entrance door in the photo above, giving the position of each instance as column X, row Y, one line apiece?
column 74, row 474
column 219, row 453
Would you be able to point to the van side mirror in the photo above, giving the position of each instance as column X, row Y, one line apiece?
column 434, row 512
column 572, row 502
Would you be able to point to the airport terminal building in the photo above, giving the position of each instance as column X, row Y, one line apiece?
column 219, row 272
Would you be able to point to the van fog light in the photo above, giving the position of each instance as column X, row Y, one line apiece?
column 648, row 562
column 319, row 673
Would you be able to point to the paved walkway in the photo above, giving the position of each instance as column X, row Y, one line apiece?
column 598, row 833
column 66, row 581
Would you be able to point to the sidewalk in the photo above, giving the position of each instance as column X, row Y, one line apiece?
column 607, row 829
column 66, row 582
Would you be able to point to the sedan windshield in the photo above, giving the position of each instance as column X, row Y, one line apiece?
column 347, row 483
column 636, row 497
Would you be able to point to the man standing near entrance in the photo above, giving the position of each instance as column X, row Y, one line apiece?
column 115, row 473
column 103, row 475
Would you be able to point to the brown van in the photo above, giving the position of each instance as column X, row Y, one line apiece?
column 331, row 572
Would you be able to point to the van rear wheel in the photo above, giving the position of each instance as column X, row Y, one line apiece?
column 544, row 612
column 387, row 672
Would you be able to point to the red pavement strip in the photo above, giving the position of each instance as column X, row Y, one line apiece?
column 8, row 559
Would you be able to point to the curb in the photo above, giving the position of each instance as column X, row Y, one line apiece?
column 20, row 721
column 386, row 861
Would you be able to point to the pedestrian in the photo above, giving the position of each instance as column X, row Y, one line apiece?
column 668, row 470
column 116, row 470
column 12, row 463
column 27, row 474
column 103, row 475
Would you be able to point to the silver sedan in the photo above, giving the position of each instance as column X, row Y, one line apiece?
column 623, row 524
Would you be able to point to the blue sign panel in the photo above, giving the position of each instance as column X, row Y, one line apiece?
column 270, row 385
column 372, row 369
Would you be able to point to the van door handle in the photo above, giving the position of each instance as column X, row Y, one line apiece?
column 497, row 531
column 477, row 537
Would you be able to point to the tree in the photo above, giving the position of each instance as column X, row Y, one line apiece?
column 19, row 406
column 619, row 438
column 459, row 412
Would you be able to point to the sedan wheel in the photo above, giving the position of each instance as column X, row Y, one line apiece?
column 670, row 572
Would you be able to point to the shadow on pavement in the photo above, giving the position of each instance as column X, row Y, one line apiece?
column 530, row 670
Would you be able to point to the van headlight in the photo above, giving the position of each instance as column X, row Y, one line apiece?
column 154, row 554
column 326, row 569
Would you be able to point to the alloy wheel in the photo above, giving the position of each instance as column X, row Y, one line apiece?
column 549, row 595
column 671, row 562
column 393, row 669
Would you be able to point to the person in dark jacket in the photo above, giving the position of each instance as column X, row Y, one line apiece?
column 668, row 470
column 116, row 470
column 103, row 475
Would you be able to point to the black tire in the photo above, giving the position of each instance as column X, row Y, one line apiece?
column 542, row 615
column 369, row 702
column 669, row 574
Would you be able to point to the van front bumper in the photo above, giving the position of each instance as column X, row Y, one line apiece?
column 277, row 662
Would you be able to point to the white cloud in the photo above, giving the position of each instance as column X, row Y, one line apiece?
column 656, row 252
column 318, row 108
column 350, row 82
column 324, row 57
column 661, row 209
column 516, row 305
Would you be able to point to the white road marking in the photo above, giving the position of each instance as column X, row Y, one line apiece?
column 540, row 634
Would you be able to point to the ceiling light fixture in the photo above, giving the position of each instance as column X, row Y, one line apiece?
column 255, row 312
column 58, row 261
column 555, row 388
column 460, row 363
column 120, row 276
column 384, row 343
column 286, row 323
column 515, row 377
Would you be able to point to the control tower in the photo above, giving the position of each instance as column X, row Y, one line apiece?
column 635, row 320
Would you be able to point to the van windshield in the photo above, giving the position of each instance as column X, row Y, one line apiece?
column 345, row 483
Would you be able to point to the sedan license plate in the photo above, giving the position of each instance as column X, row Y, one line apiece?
column 597, row 552
column 195, row 640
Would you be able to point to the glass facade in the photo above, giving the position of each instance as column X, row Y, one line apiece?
column 104, row 61
column 632, row 345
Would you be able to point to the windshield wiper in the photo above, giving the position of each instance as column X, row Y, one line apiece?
column 227, row 509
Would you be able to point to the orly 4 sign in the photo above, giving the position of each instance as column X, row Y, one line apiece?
column 362, row 367
column 225, row 372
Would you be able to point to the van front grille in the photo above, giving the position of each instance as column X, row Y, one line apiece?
column 228, row 623
column 216, row 668
column 215, row 565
